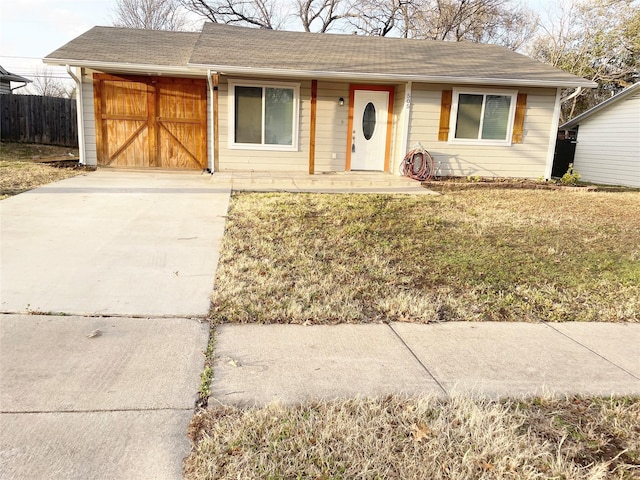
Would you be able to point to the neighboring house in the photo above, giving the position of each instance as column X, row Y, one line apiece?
column 235, row 98
column 7, row 77
column 608, row 148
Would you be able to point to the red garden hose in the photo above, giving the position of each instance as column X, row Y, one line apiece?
column 417, row 164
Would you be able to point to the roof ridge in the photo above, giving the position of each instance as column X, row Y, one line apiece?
column 366, row 38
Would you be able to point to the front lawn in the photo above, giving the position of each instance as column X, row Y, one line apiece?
column 425, row 438
column 473, row 255
column 20, row 172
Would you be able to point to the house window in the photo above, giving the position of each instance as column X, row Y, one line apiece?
column 482, row 117
column 263, row 116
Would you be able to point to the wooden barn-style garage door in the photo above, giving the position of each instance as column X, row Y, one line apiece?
column 151, row 121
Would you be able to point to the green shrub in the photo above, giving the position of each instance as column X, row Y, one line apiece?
column 571, row 177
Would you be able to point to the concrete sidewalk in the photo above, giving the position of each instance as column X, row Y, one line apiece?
column 114, row 405
column 258, row 364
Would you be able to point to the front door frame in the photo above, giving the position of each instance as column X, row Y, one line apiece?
column 378, row 88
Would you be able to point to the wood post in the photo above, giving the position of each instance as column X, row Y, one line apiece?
column 312, row 127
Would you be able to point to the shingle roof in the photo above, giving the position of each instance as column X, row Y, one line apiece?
column 128, row 46
column 226, row 47
column 12, row 77
column 236, row 50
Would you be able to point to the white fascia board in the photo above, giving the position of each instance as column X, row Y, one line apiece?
column 369, row 77
column 130, row 67
column 200, row 70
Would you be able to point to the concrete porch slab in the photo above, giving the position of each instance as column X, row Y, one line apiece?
column 335, row 182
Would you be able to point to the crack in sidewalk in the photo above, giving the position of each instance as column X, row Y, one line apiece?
column 426, row 369
column 591, row 350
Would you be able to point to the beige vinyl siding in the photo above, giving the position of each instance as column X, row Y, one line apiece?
column 527, row 159
column 331, row 126
column 608, row 149
column 89, row 119
column 260, row 159
column 331, row 133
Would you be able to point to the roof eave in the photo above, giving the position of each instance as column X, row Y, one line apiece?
column 277, row 72
column 16, row 78
column 616, row 98
column 125, row 67
column 200, row 69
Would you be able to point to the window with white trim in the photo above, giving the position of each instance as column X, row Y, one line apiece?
column 263, row 115
column 482, row 117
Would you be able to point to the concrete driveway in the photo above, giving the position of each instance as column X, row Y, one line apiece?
column 105, row 280
column 114, row 243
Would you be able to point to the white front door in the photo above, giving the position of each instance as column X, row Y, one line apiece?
column 369, row 135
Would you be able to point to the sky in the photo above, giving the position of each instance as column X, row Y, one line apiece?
column 31, row 29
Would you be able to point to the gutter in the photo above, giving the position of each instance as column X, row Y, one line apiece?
column 127, row 67
column 195, row 70
column 619, row 96
column 80, row 110
column 276, row 72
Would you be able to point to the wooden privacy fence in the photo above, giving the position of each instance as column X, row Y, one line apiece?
column 35, row 119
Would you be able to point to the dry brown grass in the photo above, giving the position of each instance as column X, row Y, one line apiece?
column 19, row 172
column 13, row 151
column 426, row 438
column 504, row 255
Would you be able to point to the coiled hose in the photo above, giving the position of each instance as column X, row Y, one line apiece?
column 417, row 164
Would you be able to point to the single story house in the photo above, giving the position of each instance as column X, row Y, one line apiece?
column 608, row 140
column 7, row 77
column 237, row 98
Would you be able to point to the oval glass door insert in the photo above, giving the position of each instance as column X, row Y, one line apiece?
column 369, row 121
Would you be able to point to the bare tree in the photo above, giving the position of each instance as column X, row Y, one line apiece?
column 324, row 12
column 47, row 84
column 256, row 13
column 383, row 17
column 493, row 21
column 595, row 39
column 150, row 14
column 501, row 22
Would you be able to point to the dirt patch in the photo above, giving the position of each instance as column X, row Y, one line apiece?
column 449, row 184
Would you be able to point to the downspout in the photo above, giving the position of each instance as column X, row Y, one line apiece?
column 553, row 136
column 19, row 86
column 573, row 95
column 80, row 113
column 577, row 92
column 212, row 130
